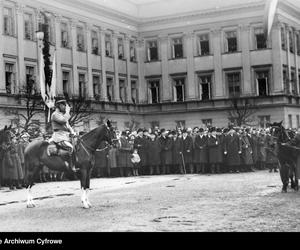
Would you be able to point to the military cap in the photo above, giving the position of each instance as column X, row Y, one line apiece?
column 62, row 101
column 212, row 129
column 162, row 130
column 201, row 130
column 140, row 130
column 219, row 130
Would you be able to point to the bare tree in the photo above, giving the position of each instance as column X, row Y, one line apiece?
column 241, row 111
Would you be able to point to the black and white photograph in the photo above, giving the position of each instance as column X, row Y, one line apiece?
column 148, row 116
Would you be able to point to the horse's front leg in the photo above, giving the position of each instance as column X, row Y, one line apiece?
column 30, row 202
column 88, row 178
column 83, row 174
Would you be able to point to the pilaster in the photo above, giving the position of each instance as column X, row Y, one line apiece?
column 20, row 45
column 128, row 78
column 116, row 58
column 75, row 87
column 166, row 86
column 89, row 61
column 59, row 88
column 141, row 57
column 2, row 75
column 103, row 68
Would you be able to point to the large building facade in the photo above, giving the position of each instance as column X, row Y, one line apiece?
column 167, row 69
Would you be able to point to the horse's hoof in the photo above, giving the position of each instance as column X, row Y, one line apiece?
column 283, row 191
column 30, row 206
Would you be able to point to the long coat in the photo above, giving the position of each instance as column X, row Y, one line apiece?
column 112, row 157
column 271, row 150
column 154, row 149
column 246, row 151
column 200, row 149
column 261, row 149
column 232, row 146
column 215, row 149
column 188, row 149
column 124, row 153
column 166, row 150
column 253, row 139
column 177, row 151
column 296, row 142
column 141, row 144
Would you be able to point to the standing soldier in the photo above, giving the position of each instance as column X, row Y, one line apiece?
column 271, row 149
column 187, row 150
column 232, row 149
column 247, row 161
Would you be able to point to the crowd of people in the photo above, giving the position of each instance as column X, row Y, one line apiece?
column 158, row 151
column 195, row 151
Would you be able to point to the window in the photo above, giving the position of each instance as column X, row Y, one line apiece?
column 30, row 79
column 80, row 39
column 120, row 48
column 203, row 45
column 262, row 82
column 132, row 51
column 9, row 78
column 177, row 48
column 152, row 51
column 109, row 88
column 96, row 87
column 64, row 35
column 207, row 122
column 153, row 91
column 285, row 81
column 231, row 41
column 180, row 124
column 178, row 89
column 298, row 43
column 50, row 27
column 291, row 41
column 263, row 121
column 8, row 21
column 290, row 121
column 283, row 39
column 298, row 121
column 261, row 42
column 95, row 43
column 122, row 88
column 205, row 87
column 293, row 83
column 134, row 93
column 28, row 26
column 82, row 89
column 108, row 47
column 66, row 82
column 233, row 80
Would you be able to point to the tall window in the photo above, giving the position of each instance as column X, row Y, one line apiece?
column 285, row 79
column 8, row 21
column 177, row 48
column 120, row 48
column 82, row 87
column 231, row 41
column 290, row 121
column 66, row 82
column 153, row 91
column 95, row 43
column 264, row 120
column 50, row 27
column 180, row 124
column 283, row 38
column 179, row 89
column 152, row 51
column 261, row 42
column 134, row 92
column 122, row 88
column 28, row 26
column 96, row 87
column 262, row 82
column 234, row 82
column 108, row 47
column 109, row 88
column 132, row 51
column 203, row 45
column 30, row 79
column 80, row 39
column 9, row 78
column 64, row 35
column 205, row 87
column 293, row 83
column 207, row 122
column 291, row 41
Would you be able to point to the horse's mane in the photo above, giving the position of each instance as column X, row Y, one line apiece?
column 92, row 133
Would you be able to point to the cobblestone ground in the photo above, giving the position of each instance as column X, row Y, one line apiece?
column 195, row 203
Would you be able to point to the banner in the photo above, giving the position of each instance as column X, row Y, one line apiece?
column 42, row 78
column 51, row 91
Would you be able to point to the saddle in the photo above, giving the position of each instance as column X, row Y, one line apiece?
column 58, row 149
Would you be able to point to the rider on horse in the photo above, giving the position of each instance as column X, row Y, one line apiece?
column 62, row 131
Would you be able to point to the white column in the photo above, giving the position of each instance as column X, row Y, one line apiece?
column 20, row 45
column 74, row 88
column 59, row 88
column 288, row 57
column 166, row 85
column 2, row 75
column 142, row 83
column 116, row 69
column 190, row 87
column 296, row 61
column 89, row 61
column 103, row 68
column 127, row 56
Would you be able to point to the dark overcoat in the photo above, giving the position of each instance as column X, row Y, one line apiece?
column 215, row 149
column 187, row 149
column 124, row 153
column 200, row 149
column 141, row 144
column 166, row 150
column 261, row 149
column 253, row 141
column 177, row 151
column 271, row 150
column 154, row 149
column 232, row 146
column 246, row 150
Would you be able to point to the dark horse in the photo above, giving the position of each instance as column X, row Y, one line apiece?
column 36, row 156
column 287, row 156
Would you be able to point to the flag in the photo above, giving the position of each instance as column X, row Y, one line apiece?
column 269, row 15
column 52, row 89
column 42, row 78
